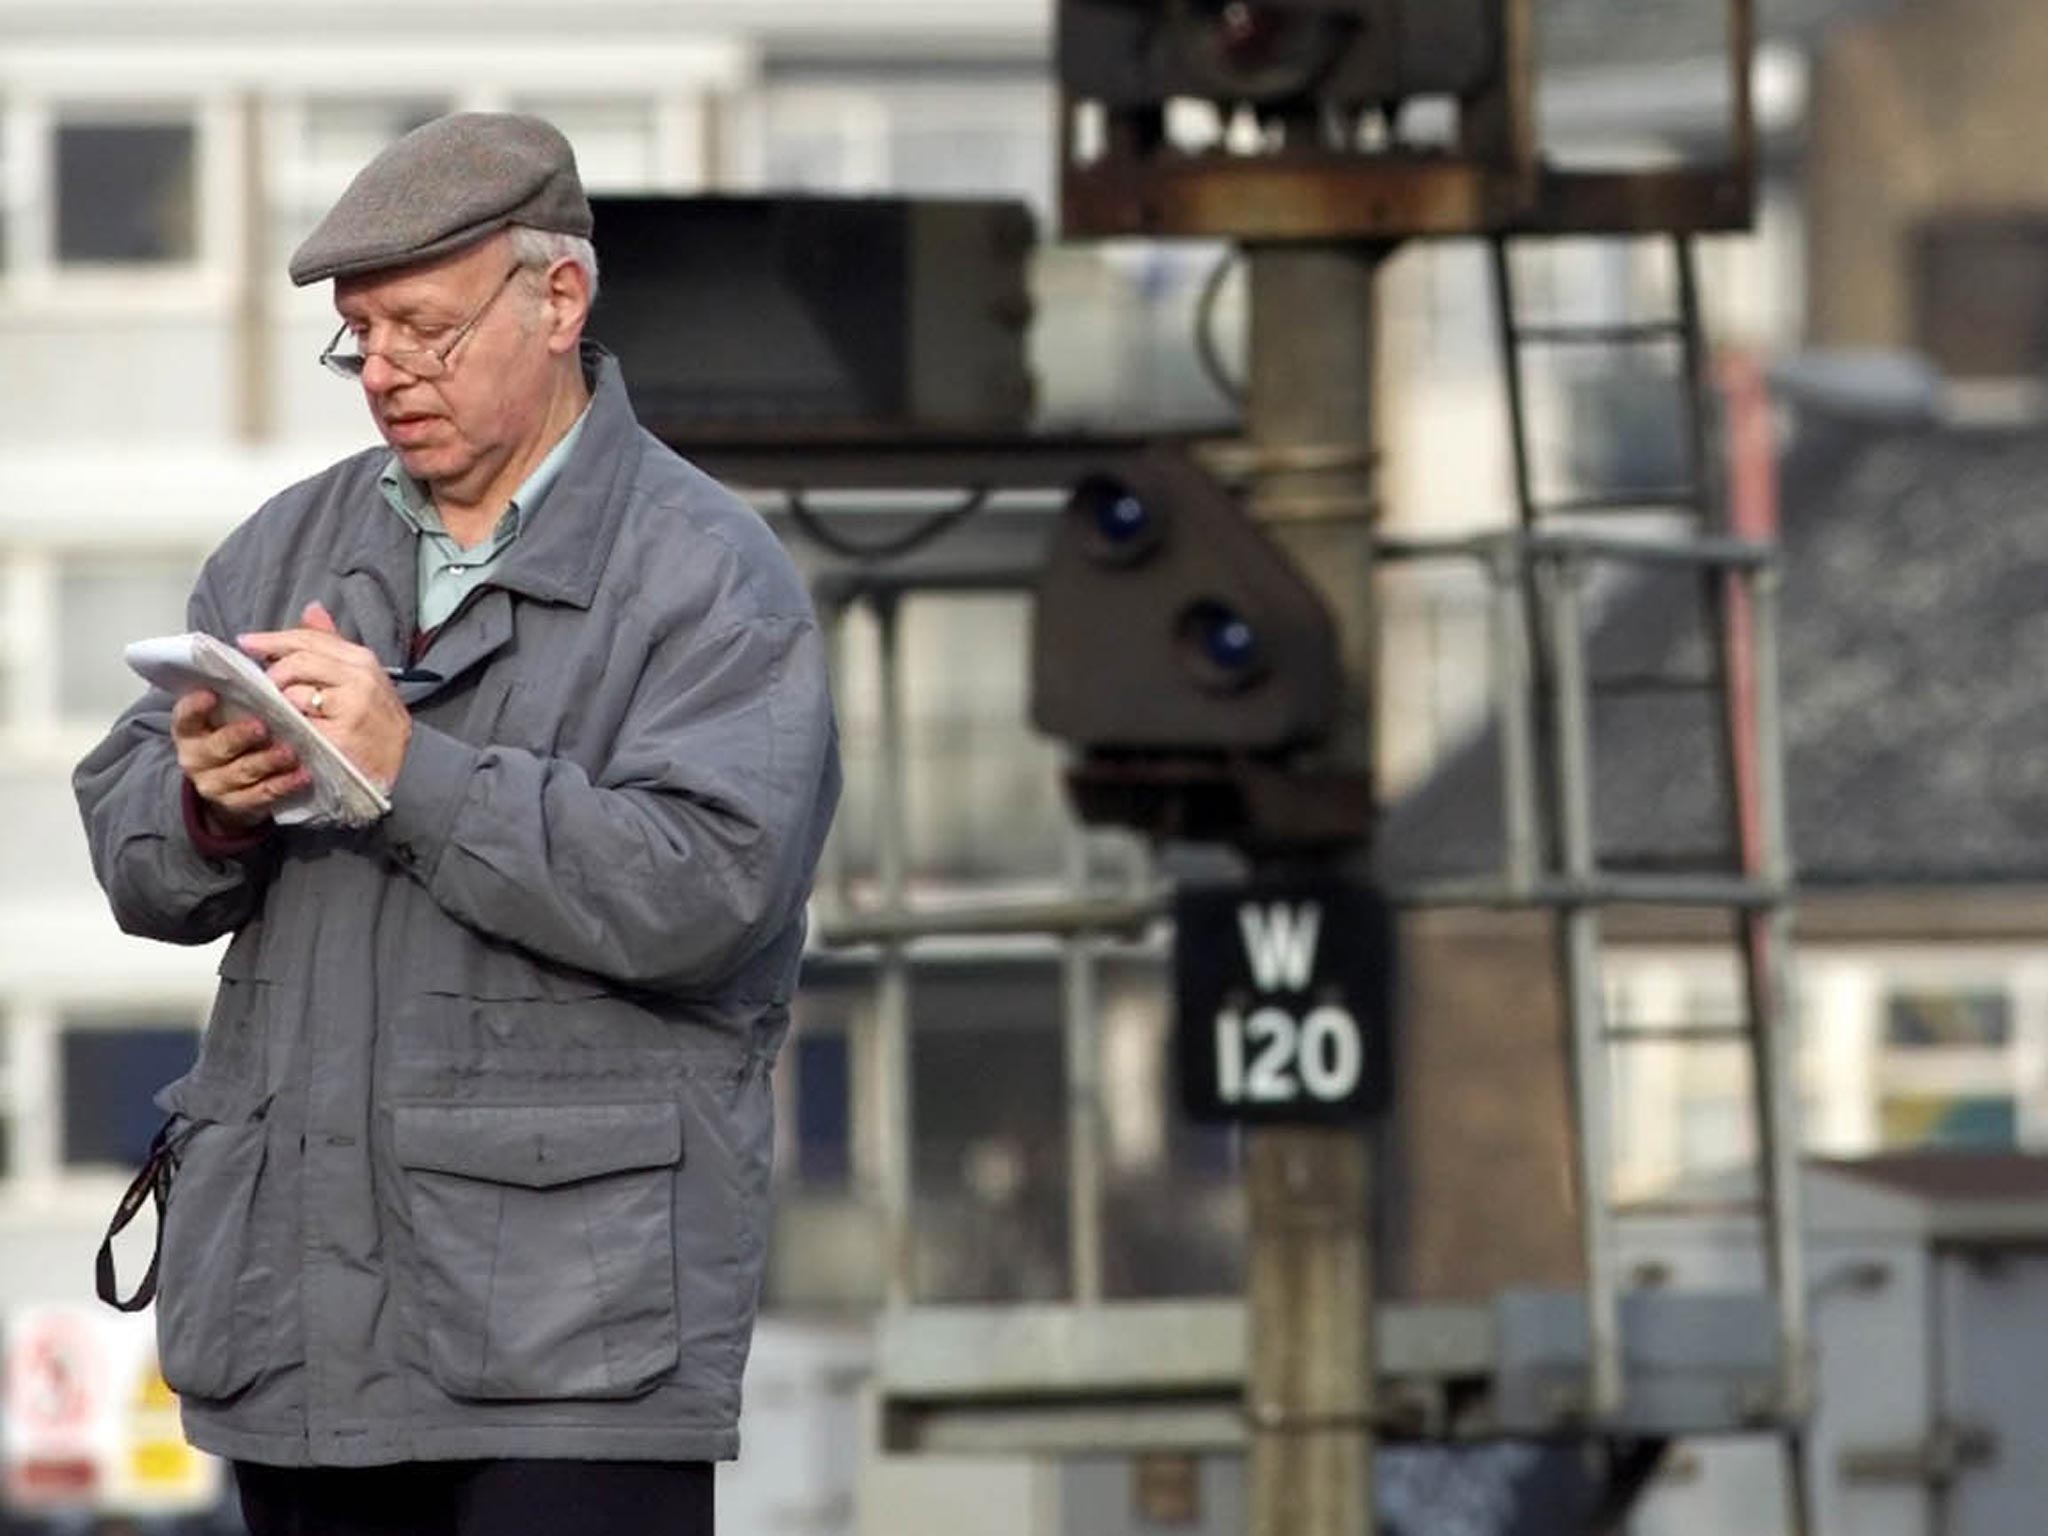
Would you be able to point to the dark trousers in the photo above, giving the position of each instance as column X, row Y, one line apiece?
column 480, row 1498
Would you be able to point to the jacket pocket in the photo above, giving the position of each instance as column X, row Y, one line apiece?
column 218, row 1283
column 544, row 1245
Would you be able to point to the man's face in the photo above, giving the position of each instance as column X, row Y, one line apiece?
column 458, row 432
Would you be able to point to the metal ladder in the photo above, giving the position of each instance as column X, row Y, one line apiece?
column 1553, row 840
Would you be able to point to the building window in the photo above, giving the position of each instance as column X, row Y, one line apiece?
column 1980, row 293
column 823, row 1069
column 988, row 1121
column 1949, row 1122
column 939, row 158
column 111, row 1069
column 104, row 600
column 1715, row 1123
column 1930, row 1020
column 877, row 131
column 1949, row 1075
column 126, row 193
column 967, row 745
column 614, row 138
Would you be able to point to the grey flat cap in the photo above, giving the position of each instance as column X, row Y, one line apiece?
column 445, row 185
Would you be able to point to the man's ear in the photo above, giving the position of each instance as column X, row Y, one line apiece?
column 568, row 296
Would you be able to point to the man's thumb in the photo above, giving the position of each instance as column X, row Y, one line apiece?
column 316, row 616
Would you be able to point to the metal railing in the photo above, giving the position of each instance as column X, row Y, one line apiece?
column 893, row 925
column 1541, row 731
column 1561, row 873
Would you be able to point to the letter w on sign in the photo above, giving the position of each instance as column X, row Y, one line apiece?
column 1280, row 942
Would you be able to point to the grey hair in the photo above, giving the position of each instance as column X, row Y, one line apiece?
column 542, row 248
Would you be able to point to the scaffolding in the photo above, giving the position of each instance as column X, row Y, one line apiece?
column 1625, row 1368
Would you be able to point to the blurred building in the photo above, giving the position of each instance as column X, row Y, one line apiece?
column 157, row 164
column 1913, row 568
column 1928, row 198
column 160, row 158
column 1927, row 1275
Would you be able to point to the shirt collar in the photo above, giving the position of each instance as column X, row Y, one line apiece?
column 414, row 504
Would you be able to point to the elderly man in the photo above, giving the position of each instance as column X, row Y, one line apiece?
column 467, row 1190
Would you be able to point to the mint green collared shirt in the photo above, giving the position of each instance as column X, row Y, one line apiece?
column 447, row 572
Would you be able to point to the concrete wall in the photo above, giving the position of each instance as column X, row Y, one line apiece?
column 84, row 379
column 1933, row 109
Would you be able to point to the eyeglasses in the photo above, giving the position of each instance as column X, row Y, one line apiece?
column 421, row 362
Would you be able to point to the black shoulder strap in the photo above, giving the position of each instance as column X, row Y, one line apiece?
column 152, row 1183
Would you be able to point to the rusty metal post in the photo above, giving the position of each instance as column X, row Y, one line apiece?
column 1310, row 1287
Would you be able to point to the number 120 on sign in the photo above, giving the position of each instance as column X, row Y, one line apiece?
column 1269, row 1057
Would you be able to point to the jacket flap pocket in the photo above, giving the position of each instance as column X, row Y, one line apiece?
column 537, row 1146
column 214, row 1100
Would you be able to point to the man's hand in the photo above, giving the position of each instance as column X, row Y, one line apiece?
column 239, row 775
column 342, row 688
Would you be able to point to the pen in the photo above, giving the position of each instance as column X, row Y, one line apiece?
column 412, row 675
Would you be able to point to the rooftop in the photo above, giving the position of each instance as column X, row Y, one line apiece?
column 1915, row 620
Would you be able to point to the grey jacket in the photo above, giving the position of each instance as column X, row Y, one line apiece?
column 481, row 1123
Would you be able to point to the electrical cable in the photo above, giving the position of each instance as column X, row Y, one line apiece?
column 1205, row 330
column 814, row 527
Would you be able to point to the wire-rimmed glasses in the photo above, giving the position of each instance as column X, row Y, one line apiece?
column 416, row 362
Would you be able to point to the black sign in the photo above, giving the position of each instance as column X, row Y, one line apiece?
column 1284, row 994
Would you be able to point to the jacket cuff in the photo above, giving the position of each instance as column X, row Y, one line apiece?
column 425, row 798
column 209, row 840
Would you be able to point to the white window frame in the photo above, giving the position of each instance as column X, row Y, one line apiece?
column 1653, row 1079
column 34, row 281
column 35, row 735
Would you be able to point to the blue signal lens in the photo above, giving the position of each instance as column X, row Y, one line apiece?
column 1225, row 644
column 1120, row 525
column 1121, row 518
column 1229, row 641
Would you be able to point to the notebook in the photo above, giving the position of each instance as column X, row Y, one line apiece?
column 341, row 795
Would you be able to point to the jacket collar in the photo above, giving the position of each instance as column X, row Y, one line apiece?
column 380, row 582
column 562, row 557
